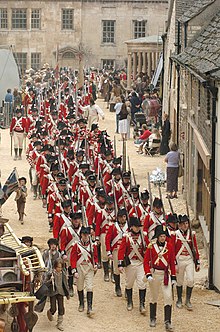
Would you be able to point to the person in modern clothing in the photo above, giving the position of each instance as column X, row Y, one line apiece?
column 94, row 113
column 123, row 122
column 143, row 138
column 117, row 109
column 172, row 159
column 166, row 132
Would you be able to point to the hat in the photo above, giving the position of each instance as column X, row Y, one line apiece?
column 116, row 171
column 66, row 203
column 83, row 166
column 33, row 135
column 109, row 200
column 60, row 175
column 100, row 192
column 94, row 126
column 157, row 202
column 116, row 161
column 62, row 182
column 145, row 194
column 122, row 212
column 183, row 218
column 160, row 230
column 70, row 116
column 79, row 153
column 76, row 215
column 52, row 241
column 46, row 147
column 126, row 175
column 134, row 189
column 61, row 125
column 81, row 120
column 37, row 142
column 134, row 221
column 22, row 178
column 91, row 177
column 60, row 142
column 107, row 153
column 85, row 230
column 26, row 238
column 172, row 218
column 54, row 167
column 18, row 110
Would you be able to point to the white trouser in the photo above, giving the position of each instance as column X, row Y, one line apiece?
column 156, row 284
column 115, row 261
column 185, row 266
column 103, row 248
column 34, row 176
column 92, row 119
column 135, row 271
column 86, row 275
column 18, row 140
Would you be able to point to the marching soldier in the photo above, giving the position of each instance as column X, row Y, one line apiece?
column 159, row 268
column 130, row 259
column 187, row 258
column 18, row 130
column 154, row 218
column 83, row 260
column 113, row 240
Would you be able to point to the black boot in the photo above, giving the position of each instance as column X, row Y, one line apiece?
column 20, row 153
column 81, row 301
column 129, row 299
column 179, row 303
column 16, row 154
column 188, row 297
column 106, row 271
column 142, row 295
column 89, row 304
column 70, row 282
column 117, row 285
column 153, row 314
column 35, row 191
column 112, row 273
column 167, row 318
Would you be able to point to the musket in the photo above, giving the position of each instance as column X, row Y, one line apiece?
column 135, row 182
column 135, row 208
column 149, row 188
column 11, row 144
column 191, row 235
column 115, row 203
column 115, row 147
column 85, row 221
column 171, row 206
column 163, row 210
column 124, row 156
column 129, row 165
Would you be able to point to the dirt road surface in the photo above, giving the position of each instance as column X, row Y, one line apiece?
column 110, row 312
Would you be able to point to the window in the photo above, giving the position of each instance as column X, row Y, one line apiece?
column 35, row 60
column 108, row 63
column 3, row 18
column 139, row 29
column 19, row 19
column 35, row 19
column 67, row 19
column 108, row 34
column 21, row 59
column 68, row 55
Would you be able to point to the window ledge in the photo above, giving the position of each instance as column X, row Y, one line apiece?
column 108, row 44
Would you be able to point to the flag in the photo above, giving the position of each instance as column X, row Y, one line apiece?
column 10, row 186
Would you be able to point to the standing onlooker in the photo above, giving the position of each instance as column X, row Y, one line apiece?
column 94, row 113
column 135, row 105
column 21, row 194
column 117, row 108
column 17, row 98
column 58, row 288
column 172, row 159
column 166, row 133
column 123, row 121
column 9, row 99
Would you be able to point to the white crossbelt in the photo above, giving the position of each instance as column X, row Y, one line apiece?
column 121, row 231
column 160, row 254
column 135, row 249
column 185, row 244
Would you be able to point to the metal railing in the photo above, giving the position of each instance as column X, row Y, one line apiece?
column 6, row 113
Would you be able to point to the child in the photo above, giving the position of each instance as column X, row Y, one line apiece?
column 21, row 194
column 58, row 288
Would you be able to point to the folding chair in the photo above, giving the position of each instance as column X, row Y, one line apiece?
column 154, row 148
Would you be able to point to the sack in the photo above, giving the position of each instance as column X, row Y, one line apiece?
column 126, row 261
column 39, row 306
column 180, row 171
column 42, row 291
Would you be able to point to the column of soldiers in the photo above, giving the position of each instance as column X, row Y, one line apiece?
column 98, row 214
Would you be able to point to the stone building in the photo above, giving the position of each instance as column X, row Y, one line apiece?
column 68, row 31
column 192, row 89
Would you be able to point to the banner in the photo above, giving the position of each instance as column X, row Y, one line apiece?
column 10, row 186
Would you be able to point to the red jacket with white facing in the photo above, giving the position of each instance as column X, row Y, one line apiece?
column 126, row 248
column 114, row 236
column 158, row 259
column 181, row 249
column 18, row 125
column 76, row 255
column 103, row 222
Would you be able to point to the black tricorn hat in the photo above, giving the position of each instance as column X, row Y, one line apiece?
column 145, row 194
column 134, row 221
column 157, row 202
column 60, row 175
column 172, row 218
column 54, row 167
column 116, row 171
column 135, row 189
column 160, row 230
column 91, row 177
column 52, row 241
column 62, row 182
column 126, row 175
column 117, row 161
column 37, row 143
column 85, row 230
column 122, row 212
column 183, row 218
column 80, row 153
column 76, row 215
column 94, row 126
column 83, row 165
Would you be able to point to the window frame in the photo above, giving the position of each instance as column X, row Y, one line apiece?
column 3, row 19
column 65, row 27
column 21, row 64
column 13, row 19
column 106, row 65
column 37, row 64
column 107, row 30
column 138, row 30
column 35, row 19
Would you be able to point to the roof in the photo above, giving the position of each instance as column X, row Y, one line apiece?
column 145, row 40
column 203, row 55
column 195, row 9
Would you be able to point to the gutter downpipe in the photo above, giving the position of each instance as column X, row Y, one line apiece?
column 178, row 85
